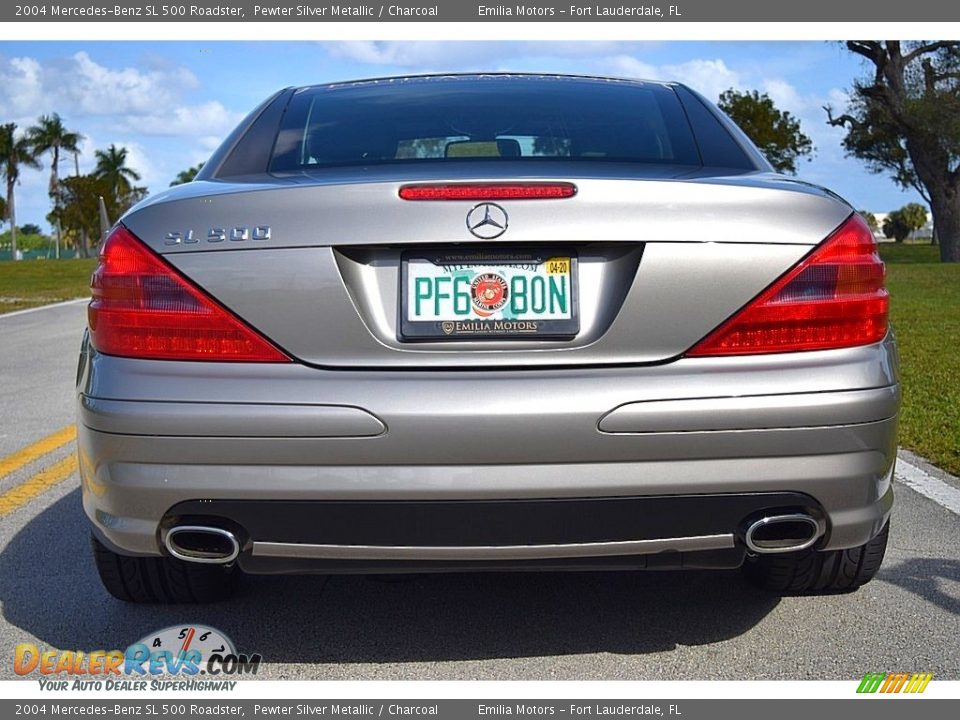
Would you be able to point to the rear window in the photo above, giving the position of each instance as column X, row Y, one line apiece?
column 515, row 118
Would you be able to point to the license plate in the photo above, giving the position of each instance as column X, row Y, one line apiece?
column 464, row 295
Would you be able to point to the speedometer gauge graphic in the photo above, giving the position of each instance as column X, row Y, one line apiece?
column 187, row 642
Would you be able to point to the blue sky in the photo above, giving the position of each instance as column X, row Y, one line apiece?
column 170, row 103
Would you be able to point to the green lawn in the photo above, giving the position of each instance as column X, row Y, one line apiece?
column 925, row 310
column 912, row 253
column 30, row 283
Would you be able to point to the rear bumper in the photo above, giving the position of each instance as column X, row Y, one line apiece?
column 157, row 437
column 325, row 535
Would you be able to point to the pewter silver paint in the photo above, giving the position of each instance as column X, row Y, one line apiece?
column 735, row 235
column 665, row 256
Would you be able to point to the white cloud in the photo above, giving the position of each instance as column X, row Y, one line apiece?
column 88, row 146
column 209, row 142
column 22, row 89
column 707, row 76
column 838, row 98
column 78, row 85
column 418, row 55
column 452, row 56
column 34, row 182
column 785, row 96
column 149, row 101
column 193, row 121
column 141, row 160
column 629, row 66
column 94, row 89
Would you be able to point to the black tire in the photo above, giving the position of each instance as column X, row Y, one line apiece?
column 812, row 572
column 161, row 580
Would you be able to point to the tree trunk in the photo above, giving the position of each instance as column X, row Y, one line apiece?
column 12, row 217
column 84, row 243
column 946, row 219
column 54, row 192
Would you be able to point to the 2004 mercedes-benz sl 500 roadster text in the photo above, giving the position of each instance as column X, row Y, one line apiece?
column 486, row 322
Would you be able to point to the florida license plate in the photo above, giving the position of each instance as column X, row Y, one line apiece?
column 473, row 295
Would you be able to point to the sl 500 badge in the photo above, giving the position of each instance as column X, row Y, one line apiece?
column 236, row 233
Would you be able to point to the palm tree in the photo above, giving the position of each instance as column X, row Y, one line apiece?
column 49, row 135
column 112, row 167
column 14, row 152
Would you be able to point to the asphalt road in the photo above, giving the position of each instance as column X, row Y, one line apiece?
column 664, row 626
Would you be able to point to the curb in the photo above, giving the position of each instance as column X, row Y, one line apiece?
column 43, row 307
column 928, row 480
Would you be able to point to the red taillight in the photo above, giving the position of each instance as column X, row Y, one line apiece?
column 143, row 308
column 489, row 191
column 833, row 298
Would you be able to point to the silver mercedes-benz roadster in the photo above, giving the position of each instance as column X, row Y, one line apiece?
column 487, row 322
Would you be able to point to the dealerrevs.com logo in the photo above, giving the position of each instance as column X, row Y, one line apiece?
column 179, row 657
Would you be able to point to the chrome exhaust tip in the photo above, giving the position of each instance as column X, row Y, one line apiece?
column 782, row 533
column 202, row 544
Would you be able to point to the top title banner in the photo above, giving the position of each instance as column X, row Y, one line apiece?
column 473, row 11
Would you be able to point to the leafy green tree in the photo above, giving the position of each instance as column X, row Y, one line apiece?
column 777, row 133
column 914, row 215
column 185, row 176
column 27, row 242
column 112, row 167
column 31, row 229
column 16, row 151
column 896, row 226
column 870, row 219
column 904, row 120
column 79, row 214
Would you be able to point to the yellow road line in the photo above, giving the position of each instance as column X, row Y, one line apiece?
column 38, row 484
column 40, row 448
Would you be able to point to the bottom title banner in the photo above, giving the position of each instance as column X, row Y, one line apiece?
column 785, row 709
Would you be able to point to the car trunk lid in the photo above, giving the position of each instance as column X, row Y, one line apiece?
column 316, row 264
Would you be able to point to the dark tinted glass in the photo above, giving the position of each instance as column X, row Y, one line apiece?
column 717, row 146
column 441, row 119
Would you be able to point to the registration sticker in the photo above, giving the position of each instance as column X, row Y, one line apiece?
column 558, row 266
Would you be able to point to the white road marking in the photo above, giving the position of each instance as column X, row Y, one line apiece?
column 43, row 307
column 940, row 492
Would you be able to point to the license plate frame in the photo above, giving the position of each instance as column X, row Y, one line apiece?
column 474, row 327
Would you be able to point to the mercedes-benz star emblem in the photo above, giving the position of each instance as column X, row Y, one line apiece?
column 487, row 221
